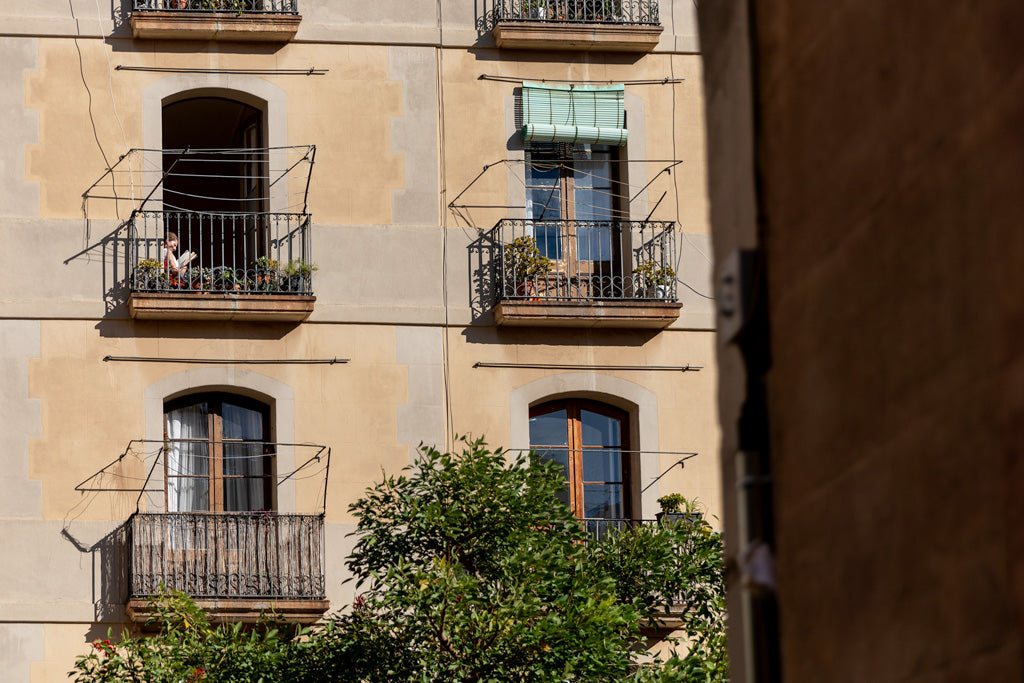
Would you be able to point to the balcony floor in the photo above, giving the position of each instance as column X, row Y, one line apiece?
column 535, row 35
column 212, row 306
column 245, row 610
column 183, row 25
column 547, row 313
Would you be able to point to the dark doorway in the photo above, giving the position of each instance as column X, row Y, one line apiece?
column 215, row 191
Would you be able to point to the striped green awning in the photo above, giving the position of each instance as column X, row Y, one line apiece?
column 574, row 113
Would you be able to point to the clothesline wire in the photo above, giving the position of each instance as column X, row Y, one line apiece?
column 571, row 201
column 183, row 209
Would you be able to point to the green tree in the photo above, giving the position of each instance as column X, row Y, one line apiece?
column 470, row 569
column 474, row 571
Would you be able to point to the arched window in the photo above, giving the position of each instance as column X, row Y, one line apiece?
column 589, row 440
column 219, row 457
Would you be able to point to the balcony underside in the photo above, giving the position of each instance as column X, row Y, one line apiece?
column 243, row 610
column 179, row 25
column 547, row 313
column 212, row 306
column 555, row 36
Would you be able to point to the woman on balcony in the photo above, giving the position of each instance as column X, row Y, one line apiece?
column 171, row 266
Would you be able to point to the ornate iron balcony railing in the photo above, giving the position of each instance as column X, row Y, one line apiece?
column 577, row 261
column 252, row 555
column 240, row 253
column 222, row 6
column 644, row 12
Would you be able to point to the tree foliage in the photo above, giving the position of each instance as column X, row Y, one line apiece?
column 468, row 568
column 188, row 648
column 474, row 571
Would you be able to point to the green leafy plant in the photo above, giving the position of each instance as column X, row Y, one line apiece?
column 188, row 648
column 237, row 6
column 150, row 274
column 523, row 260
column 150, row 268
column 461, row 586
column 300, row 267
column 225, row 279
column 672, row 502
column 265, row 264
column 652, row 274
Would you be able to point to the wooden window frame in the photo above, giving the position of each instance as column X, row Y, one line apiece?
column 567, row 221
column 574, row 427
column 215, row 448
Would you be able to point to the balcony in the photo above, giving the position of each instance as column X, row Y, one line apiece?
column 234, row 565
column 669, row 611
column 612, row 25
column 246, row 266
column 570, row 273
column 229, row 20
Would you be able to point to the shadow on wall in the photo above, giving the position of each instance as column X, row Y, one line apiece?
column 483, row 273
column 554, row 336
column 486, row 16
column 112, row 250
column 110, row 560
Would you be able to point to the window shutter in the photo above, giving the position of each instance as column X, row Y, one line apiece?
column 574, row 113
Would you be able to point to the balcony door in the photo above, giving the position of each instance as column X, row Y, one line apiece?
column 573, row 204
column 215, row 187
column 218, row 456
column 588, row 440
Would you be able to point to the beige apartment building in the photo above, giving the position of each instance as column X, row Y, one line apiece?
column 255, row 251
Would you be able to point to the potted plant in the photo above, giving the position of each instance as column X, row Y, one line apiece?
column 224, row 279
column 296, row 276
column 265, row 274
column 151, row 276
column 676, row 506
column 538, row 9
column 232, row 5
column 655, row 279
column 524, row 264
column 199, row 279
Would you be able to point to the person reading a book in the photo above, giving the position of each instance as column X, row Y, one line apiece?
column 172, row 265
column 170, row 261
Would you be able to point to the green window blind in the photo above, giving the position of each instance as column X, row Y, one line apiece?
column 574, row 113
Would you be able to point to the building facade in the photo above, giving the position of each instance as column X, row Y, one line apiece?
column 256, row 251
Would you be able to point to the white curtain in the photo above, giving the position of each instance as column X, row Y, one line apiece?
column 188, row 487
column 243, row 459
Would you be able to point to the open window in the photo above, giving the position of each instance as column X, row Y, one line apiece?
column 215, row 183
column 575, row 258
column 574, row 204
column 226, row 215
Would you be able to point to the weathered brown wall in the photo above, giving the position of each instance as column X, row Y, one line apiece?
column 890, row 139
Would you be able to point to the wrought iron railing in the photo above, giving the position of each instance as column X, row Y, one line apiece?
column 584, row 260
column 600, row 529
column 253, row 555
column 223, row 6
column 240, row 253
column 578, row 11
